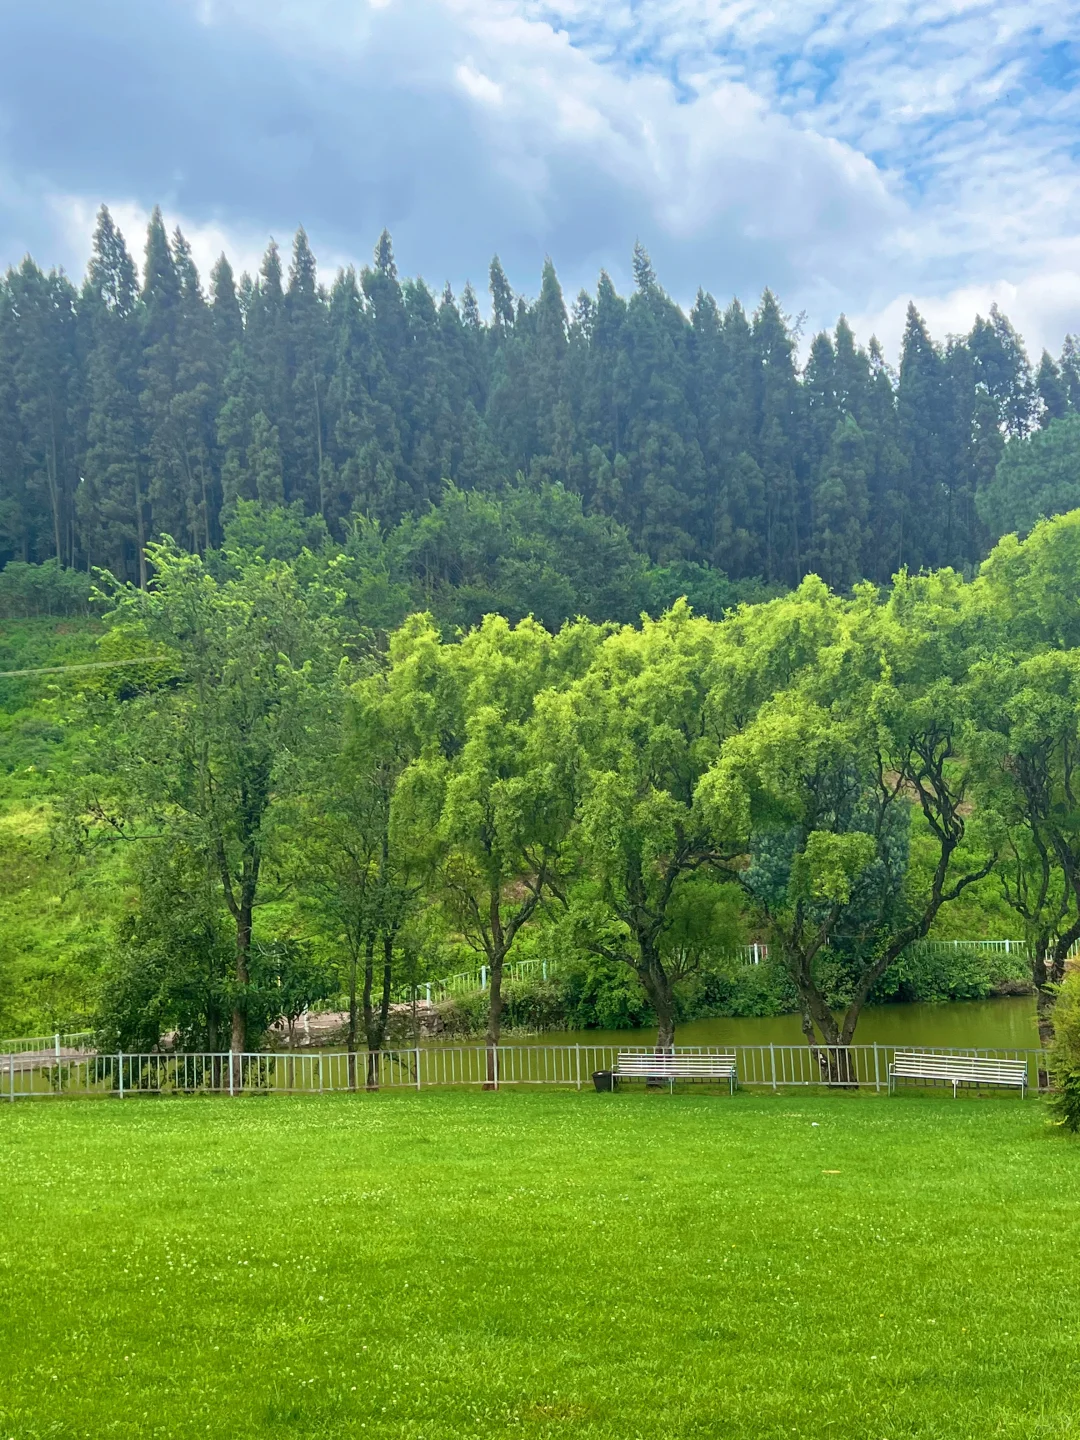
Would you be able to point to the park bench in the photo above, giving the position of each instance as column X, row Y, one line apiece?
column 957, row 1070
column 632, row 1065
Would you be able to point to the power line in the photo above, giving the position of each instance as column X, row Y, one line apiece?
column 86, row 665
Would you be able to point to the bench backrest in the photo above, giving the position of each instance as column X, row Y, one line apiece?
column 673, row 1066
column 914, row 1065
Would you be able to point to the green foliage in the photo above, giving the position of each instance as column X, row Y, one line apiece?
column 360, row 805
column 599, row 462
column 46, row 589
column 1035, row 478
column 1065, row 1054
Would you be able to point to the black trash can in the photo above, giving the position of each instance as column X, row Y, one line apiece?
column 603, row 1079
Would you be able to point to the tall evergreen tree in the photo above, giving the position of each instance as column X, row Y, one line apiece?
column 113, row 503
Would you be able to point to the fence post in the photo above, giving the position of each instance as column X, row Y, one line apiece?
column 320, row 1073
column 231, row 1072
column 577, row 1064
column 483, row 977
column 120, row 1072
column 877, row 1073
column 11, row 1076
column 57, row 1041
column 772, row 1062
column 418, row 1067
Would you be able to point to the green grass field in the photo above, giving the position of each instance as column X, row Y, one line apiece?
column 468, row 1264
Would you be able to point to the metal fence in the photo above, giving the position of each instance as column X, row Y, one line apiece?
column 57, row 1044
column 471, row 982
column 772, row 1067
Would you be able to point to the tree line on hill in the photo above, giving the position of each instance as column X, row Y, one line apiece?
column 137, row 406
column 829, row 774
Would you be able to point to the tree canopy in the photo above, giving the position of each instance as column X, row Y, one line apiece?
column 612, row 432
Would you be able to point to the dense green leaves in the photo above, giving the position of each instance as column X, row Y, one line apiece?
column 140, row 407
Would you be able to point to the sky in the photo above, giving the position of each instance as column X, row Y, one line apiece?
column 850, row 154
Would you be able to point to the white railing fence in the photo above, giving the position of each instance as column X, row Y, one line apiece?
column 29, row 1075
column 58, row 1044
column 472, row 982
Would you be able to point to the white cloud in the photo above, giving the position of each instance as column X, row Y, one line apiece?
column 846, row 152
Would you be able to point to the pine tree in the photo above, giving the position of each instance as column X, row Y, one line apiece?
column 113, row 506
column 160, row 317
column 502, row 302
column 1052, row 392
column 38, row 461
column 787, row 503
column 199, row 372
column 838, row 541
column 309, row 371
column 887, row 471
column 225, row 306
column 923, row 413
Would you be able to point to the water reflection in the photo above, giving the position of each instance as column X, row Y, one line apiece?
column 1006, row 1023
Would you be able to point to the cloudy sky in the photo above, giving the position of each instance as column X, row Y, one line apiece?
column 852, row 154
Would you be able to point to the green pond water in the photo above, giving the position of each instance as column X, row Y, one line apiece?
column 993, row 1024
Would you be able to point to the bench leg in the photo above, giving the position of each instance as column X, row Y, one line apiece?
column 955, row 1083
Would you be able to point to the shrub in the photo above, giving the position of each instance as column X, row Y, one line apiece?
column 463, row 1016
column 47, row 589
column 534, row 1004
column 1065, row 1054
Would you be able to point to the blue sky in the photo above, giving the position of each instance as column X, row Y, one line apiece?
column 852, row 154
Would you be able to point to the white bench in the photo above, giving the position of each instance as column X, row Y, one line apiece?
column 632, row 1065
column 957, row 1070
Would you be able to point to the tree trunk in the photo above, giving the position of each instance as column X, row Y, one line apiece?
column 140, row 520
column 242, row 976
column 658, row 987
column 54, row 488
column 372, row 1075
column 829, row 1044
column 212, row 1042
column 353, row 1021
column 494, row 1025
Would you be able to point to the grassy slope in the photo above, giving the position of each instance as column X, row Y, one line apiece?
column 543, row 1265
column 53, row 916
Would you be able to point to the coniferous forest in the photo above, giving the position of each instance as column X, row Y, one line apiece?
column 148, row 402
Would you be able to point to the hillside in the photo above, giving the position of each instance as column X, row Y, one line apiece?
column 54, row 913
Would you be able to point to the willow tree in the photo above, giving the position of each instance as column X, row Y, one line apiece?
column 1023, row 698
column 484, row 800
column 821, row 790
column 1026, row 740
column 645, row 893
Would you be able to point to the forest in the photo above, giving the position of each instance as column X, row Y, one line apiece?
column 252, row 801
column 350, row 639
column 142, row 404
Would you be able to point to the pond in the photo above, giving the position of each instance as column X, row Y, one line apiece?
column 991, row 1024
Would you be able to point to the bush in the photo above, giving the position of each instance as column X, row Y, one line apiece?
column 739, row 991
column 956, row 972
column 48, row 589
column 1065, row 1054
column 463, row 1016
column 534, row 1004
column 601, row 995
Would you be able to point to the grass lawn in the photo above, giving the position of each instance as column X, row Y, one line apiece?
column 469, row 1264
